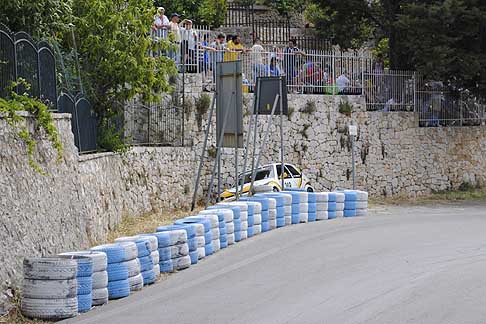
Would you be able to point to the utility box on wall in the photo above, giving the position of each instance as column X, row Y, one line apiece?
column 229, row 100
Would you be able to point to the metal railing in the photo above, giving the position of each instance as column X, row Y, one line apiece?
column 239, row 15
column 272, row 31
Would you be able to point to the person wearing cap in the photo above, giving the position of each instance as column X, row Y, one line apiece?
column 161, row 23
column 175, row 36
column 190, row 42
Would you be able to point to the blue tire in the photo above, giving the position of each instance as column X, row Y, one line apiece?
column 223, row 244
column 208, row 249
column 281, row 212
column 194, row 257
column 85, row 302
column 331, row 206
column 251, row 209
column 265, row 216
column 222, row 228
column 118, row 289
column 278, row 198
column 350, row 204
column 85, row 285
column 115, row 253
column 143, row 247
column 148, row 277
column 311, row 208
column 331, row 214
column 237, row 236
column 165, row 254
column 251, row 220
column 311, row 217
column 295, row 196
column 166, row 266
column 190, row 230
column 331, row 197
column 350, row 195
column 85, row 266
column 350, row 213
column 311, row 198
column 236, row 210
column 265, row 226
column 146, row 263
column 295, row 218
column 208, row 237
column 117, row 271
column 280, row 222
column 192, row 244
column 237, row 223
column 200, row 220
column 163, row 238
column 250, row 231
column 262, row 200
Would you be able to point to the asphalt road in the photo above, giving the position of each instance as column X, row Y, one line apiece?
column 398, row 265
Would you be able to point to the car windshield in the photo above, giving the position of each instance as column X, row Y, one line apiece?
column 260, row 175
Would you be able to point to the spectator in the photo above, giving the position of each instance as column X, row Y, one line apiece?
column 290, row 60
column 234, row 48
column 161, row 23
column 343, row 83
column 189, row 41
column 219, row 45
column 203, row 56
column 175, row 36
column 272, row 69
column 257, row 58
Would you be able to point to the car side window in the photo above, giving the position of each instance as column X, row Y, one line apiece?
column 279, row 172
column 293, row 171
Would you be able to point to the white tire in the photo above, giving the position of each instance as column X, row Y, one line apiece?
column 228, row 213
column 216, row 245
column 340, row 197
column 99, row 258
column 230, row 228
column 51, row 309
column 244, row 226
column 49, row 289
column 130, row 248
column 288, row 220
column 304, row 197
column 272, row 223
column 322, row 197
column 243, row 206
column 179, row 250
column 100, row 296
column 303, row 207
column 155, row 257
column 272, row 214
column 100, row 279
column 201, row 253
column 200, row 241
column 272, row 203
column 361, row 212
column 243, row 216
column 257, row 229
column 156, row 270
column 321, row 215
column 153, row 241
column 257, row 219
column 262, row 189
column 244, row 235
column 288, row 210
column 362, row 195
column 339, row 213
column 362, row 205
column 215, row 232
column 136, row 282
column 182, row 263
column 339, row 206
column 133, row 267
column 321, row 206
column 230, row 238
column 50, row 268
column 177, row 236
column 199, row 228
column 303, row 217
column 212, row 218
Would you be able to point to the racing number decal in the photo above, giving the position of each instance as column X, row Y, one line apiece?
column 288, row 184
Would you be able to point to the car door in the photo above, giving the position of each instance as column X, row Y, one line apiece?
column 288, row 180
column 296, row 176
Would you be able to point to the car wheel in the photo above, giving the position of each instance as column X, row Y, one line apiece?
column 310, row 189
column 275, row 189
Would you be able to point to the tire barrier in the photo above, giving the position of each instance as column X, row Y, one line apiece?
column 118, row 285
column 100, row 275
column 84, row 277
column 179, row 248
column 50, row 288
column 58, row 288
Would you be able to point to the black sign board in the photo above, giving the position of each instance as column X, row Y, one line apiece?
column 267, row 89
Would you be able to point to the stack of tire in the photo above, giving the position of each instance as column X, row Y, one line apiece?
column 254, row 214
column 340, row 205
column 49, row 289
column 241, row 230
column 321, row 205
column 135, row 267
column 221, row 229
column 230, row 212
column 118, row 285
column 295, row 207
column 154, row 252
column 311, row 203
column 259, row 218
column 163, row 251
column 202, row 228
column 350, row 199
column 84, row 276
column 211, row 228
column 178, row 244
column 362, row 203
column 331, row 205
column 281, row 200
column 304, row 207
column 100, row 275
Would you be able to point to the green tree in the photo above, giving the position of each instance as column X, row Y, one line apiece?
column 203, row 12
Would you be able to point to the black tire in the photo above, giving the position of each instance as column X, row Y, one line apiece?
column 310, row 189
column 275, row 189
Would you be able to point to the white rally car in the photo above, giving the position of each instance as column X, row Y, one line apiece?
column 270, row 175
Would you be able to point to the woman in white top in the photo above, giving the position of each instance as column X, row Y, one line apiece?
column 161, row 23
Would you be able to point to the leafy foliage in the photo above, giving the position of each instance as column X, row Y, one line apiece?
column 11, row 107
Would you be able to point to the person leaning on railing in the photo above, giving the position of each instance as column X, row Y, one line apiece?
column 161, row 23
column 233, row 49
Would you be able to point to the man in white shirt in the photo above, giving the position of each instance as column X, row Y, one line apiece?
column 257, row 58
column 342, row 83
